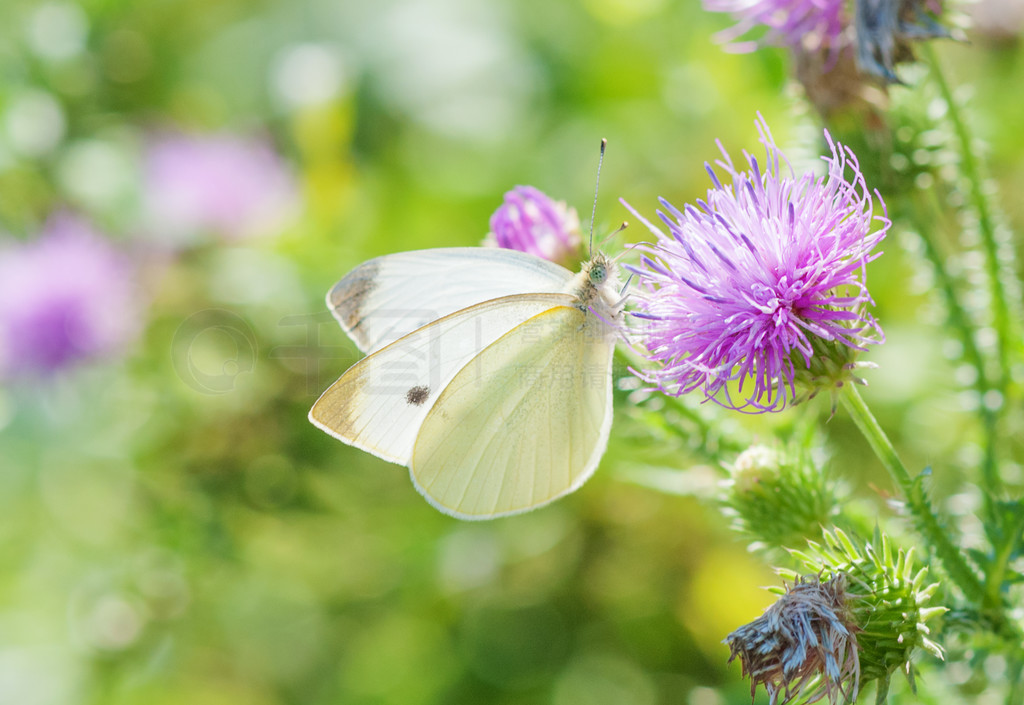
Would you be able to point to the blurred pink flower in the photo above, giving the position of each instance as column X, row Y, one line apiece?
column 228, row 185
column 65, row 297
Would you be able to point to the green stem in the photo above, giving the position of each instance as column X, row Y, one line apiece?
column 1015, row 696
column 961, row 323
column 927, row 523
column 986, row 223
column 1000, row 564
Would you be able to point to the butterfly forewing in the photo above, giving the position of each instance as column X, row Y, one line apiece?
column 379, row 404
column 522, row 424
column 388, row 297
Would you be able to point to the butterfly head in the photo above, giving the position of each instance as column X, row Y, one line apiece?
column 595, row 287
column 597, row 273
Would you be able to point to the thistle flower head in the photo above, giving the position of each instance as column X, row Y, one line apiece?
column 761, row 284
column 889, row 598
column 830, row 638
column 529, row 221
column 804, row 644
column 810, row 24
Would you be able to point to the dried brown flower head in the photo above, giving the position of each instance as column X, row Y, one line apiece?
column 805, row 643
column 834, row 84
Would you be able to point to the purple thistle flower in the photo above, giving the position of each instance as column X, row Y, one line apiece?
column 761, row 283
column 66, row 297
column 806, row 24
column 529, row 221
column 233, row 186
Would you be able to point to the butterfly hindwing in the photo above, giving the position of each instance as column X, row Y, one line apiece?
column 522, row 424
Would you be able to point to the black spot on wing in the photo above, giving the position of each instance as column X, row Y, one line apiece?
column 349, row 295
column 417, row 395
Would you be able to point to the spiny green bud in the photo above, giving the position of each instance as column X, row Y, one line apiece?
column 827, row 639
column 778, row 497
column 888, row 601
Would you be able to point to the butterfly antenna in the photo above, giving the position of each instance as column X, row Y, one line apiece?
column 597, row 186
column 626, row 249
column 625, row 224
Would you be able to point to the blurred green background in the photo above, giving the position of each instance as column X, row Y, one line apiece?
column 173, row 530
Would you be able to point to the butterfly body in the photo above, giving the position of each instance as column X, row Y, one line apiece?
column 488, row 373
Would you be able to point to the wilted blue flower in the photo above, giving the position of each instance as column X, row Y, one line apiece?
column 803, row 644
column 886, row 29
column 761, row 284
column 227, row 185
column 66, row 297
column 881, row 31
column 529, row 221
column 806, row 24
column 888, row 604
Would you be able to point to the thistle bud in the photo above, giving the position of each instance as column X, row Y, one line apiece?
column 888, row 599
column 827, row 639
column 804, row 644
column 778, row 497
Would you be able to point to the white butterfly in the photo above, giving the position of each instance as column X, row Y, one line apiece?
column 488, row 373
